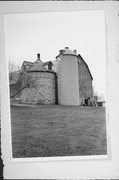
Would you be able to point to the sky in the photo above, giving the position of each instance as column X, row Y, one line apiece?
column 28, row 34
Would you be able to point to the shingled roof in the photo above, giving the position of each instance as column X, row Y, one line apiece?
column 38, row 66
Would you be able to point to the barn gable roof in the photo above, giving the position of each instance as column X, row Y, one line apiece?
column 86, row 65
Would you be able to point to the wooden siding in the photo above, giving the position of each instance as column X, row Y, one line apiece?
column 85, row 80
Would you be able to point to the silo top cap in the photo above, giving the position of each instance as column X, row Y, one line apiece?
column 69, row 51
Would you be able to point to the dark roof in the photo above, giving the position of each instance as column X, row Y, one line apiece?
column 86, row 65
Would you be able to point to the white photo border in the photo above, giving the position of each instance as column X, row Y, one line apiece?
column 6, row 140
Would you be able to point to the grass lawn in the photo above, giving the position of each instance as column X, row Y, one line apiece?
column 41, row 131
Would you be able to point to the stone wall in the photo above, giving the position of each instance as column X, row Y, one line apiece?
column 41, row 89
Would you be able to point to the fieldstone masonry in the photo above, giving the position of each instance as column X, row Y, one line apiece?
column 41, row 88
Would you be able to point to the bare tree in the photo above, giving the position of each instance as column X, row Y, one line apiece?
column 23, row 81
column 13, row 68
column 21, row 78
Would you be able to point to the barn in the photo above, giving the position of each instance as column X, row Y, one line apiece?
column 37, row 83
column 74, row 78
column 67, row 81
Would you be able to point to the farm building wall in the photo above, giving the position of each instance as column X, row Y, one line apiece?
column 85, row 80
column 68, row 85
column 41, row 89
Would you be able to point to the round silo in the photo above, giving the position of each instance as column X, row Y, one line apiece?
column 41, row 87
column 68, row 80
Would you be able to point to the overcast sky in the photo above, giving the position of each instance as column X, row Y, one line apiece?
column 46, row 33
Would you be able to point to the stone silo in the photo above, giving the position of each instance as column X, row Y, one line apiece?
column 68, row 80
column 41, row 87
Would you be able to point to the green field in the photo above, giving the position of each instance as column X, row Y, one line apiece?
column 54, row 130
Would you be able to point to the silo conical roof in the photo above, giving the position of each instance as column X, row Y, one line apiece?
column 38, row 66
